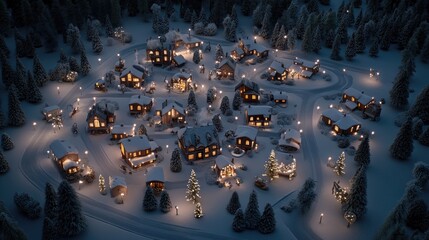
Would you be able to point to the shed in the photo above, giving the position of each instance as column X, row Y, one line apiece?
column 290, row 140
column 178, row 61
column 224, row 167
column 51, row 112
column 65, row 154
column 330, row 116
column 155, row 179
column 245, row 137
column 117, row 186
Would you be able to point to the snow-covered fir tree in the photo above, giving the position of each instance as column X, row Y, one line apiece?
column 272, row 166
column 115, row 13
column 33, row 92
column 142, row 130
column 149, row 201
column 359, row 40
column 340, row 165
column 224, row 105
column 424, row 53
column 252, row 214
column 70, row 221
column 176, row 161
column 73, row 39
column 192, row 102
column 417, row 128
column 351, row 49
column 236, row 101
column 385, row 39
column 74, row 65
column 2, row 118
column 193, row 188
column 275, row 34
column 359, row 17
column 264, row 32
column 424, row 138
column 219, row 53
column 317, row 40
column 258, row 14
column 39, row 72
column 210, row 30
column 188, row 15
column 234, row 203
column 373, row 50
column 301, row 24
column 101, row 185
column 417, row 213
column 91, row 31
column 19, row 45
column 267, row 223
column 10, row 228
column 239, row 224
column 307, row 39
column 194, row 19
column 29, row 47
column 232, row 32
column 5, row 23
column 357, row 200
column 421, row 174
column 198, row 212
column 336, row 48
column 402, row 146
column 210, row 96
column 27, row 205
column 97, row 45
column 217, row 122
column 3, row 47
column 196, row 57
column 49, row 231
column 108, row 27
column 246, row 8
column 110, row 77
column 63, row 57
column 16, row 115
column 342, row 31
column 20, row 80
column 165, row 202
column 199, row 28
column 399, row 93
column 283, row 42
column 291, row 39
column 329, row 39
column 84, row 64
column 420, row 107
column 4, row 165
column 51, row 202
column 362, row 155
column 6, row 142
column 306, row 195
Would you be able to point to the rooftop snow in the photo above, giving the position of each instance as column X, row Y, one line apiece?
column 246, row 131
column 61, row 148
column 155, row 174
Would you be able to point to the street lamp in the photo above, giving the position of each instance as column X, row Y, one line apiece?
column 58, row 89
column 34, row 125
column 95, row 99
column 321, row 217
column 80, row 88
column 166, row 146
column 189, row 33
column 177, row 210
column 80, row 183
column 122, row 198
column 86, row 155
column 78, row 100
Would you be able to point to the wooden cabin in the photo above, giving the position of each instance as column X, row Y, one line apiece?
column 188, row 42
column 258, row 116
column 224, row 167
column 252, row 48
column 140, row 104
column 355, row 99
column 330, row 116
column 121, row 131
column 137, row 151
column 160, row 54
column 199, row 142
column 372, row 110
column 245, row 137
column 347, row 125
column 100, row 85
column 181, row 82
column 155, row 179
column 132, row 79
column 169, row 112
column 117, row 186
column 249, row 91
column 66, row 155
column 280, row 97
column 226, row 69
column 237, row 54
column 52, row 112
column 308, row 68
column 290, row 140
column 99, row 117
column 277, row 71
column 178, row 61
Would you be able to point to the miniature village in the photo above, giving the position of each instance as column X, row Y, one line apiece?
column 162, row 119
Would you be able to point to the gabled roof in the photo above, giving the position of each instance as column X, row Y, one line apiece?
column 259, row 110
column 179, row 59
column 173, row 105
column 290, row 133
column 306, row 63
column 181, row 75
column 223, row 161
column 121, row 128
column 279, row 95
column 246, row 131
column 257, row 47
column 134, row 72
column 117, row 181
column 105, row 105
column 96, row 112
column 198, row 136
column 67, row 164
column 140, row 99
column 51, row 108
column 155, row 174
column 135, row 143
column 277, row 66
column 365, row 99
column 346, row 122
column 332, row 114
column 352, row 92
column 227, row 62
column 61, row 148
column 249, row 84
column 238, row 50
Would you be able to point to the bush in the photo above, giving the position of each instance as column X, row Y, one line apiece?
column 210, row 29
column 27, row 205
column 199, row 28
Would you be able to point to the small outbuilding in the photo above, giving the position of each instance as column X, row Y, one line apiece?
column 52, row 112
column 226, row 70
column 245, row 137
column 290, row 140
column 155, row 179
column 118, row 186
column 121, row 131
column 224, row 167
column 132, row 79
column 65, row 154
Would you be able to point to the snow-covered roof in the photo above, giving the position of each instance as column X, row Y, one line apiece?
column 287, row 63
column 256, row 46
column 140, row 99
column 51, row 109
column 181, row 75
column 227, row 62
column 153, row 145
column 61, row 148
column 223, row 161
column 259, row 110
column 141, row 160
column 346, row 122
column 306, row 73
column 295, row 68
column 106, row 105
column 67, row 164
column 186, row 39
column 172, row 36
column 350, row 105
column 332, row 114
column 289, row 134
column 277, row 66
column 306, row 63
column 238, row 50
column 153, row 44
column 134, row 72
column 135, row 143
column 155, row 174
column 279, row 95
column 117, row 181
column 121, row 128
column 178, row 107
column 179, row 59
column 198, row 136
column 100, row 81
column 365, row 99
column 246, row 131
column 249, row 84
column 352, row 92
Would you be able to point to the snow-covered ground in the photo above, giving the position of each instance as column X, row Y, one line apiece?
column 31, row 168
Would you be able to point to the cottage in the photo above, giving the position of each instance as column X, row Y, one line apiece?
column 169, row 112
column 355, row 99
column 100, row 85
column 121, row 131
column 290, row 140
column 118, row 186
column 280, row 97
column 226, row 69
column 132, row 79
column 346, row 125
column 249, row 91
column 139, row 104
column 245, row 137
column 308, row 68
column 181, row 82
column 66, row 155
column 137, row 151
column 159, row 53
column 52, row 112
column 155, row 179
column 188, row 42
column 224, row 167
column 277, row 71
column 99, row 117
column 199, row 142
column 330, row 116
column 178, row 61
column 252, row 48
column 237, row 54
column 259, row 116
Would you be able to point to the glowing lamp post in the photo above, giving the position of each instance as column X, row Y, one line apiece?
column 95, row 99
column 122, row 198
column 86, row 155
column 166, row 146
column 78, row 100
column 80, row 88
column 99, row 60
column 80, row 183
column 34, row 125
column 189, row 33
column 58, row 90
column 177, row 210
column 320, row 219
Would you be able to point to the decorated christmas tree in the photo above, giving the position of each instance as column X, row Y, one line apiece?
column 198, row 212
column 101, row 185
column 4, row 165
column 193, row 191
column 175, row 161
column 142, row 130
column 149, row 202
column 267, row 223
column 252, row 214
column 239, row 223
column 234, row 203
column 6, row 142
column 165, row 202
column 340, row 165
column 272, row 166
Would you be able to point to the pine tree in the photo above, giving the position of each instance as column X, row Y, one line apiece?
column 6, row 142
column 142, row 130
column 362, row 155
column 144, row 9
column 219, row 53
column 109, row 27
column 188, row 15
column 340, row 165
column 73, row 39
column 399, row 92
column 246, row 8
column 275, row 35
column 19, row 47
column 336, row 48
column 29, row 47
column 258, row 15
column 196, row 57
column 70, row 220
column 10, row 229
column 217, row 122
column 4, row 20
column 236, row 101
column 193, row 188
column 51, row 202
column 33, row 95
column 49, row 230
column 194, row 19
column 306, row 195
column 39, row 72
column 115, row 13
column 198, row 212
column 300, row 25
column 317, row 40
column 424, row 54
column 266, row 23
column 420, row 108
column 20, row 80
column 234, row 203
column 283, row 42
column 272, row 166
column 417, row 128
column 133, row 9
column 373, row 50
column 149, row 202
column 165, row 202
column 224, row 105
column 359, row 18
column 2, row 118
column 267, row 223
column 4, row 165
column 329, row 39
column 239, row 224
column 16, row 116
column 351, row 50
column 74, row 65
column 63, row 57
column 291, row 39
column 342, row 31
column 84, row 64
column 97, row 45
column 252, row 214
column 424, row 138
column 402, row 147
column 3, row 47
column 307, row 39
column 357, row 199
column 232, row 32
column 359, row 40
column 101, row 185
column 176, row 161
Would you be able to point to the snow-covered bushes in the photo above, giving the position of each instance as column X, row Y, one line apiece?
column 27, row 205
column 199, row 28
column 210, row 29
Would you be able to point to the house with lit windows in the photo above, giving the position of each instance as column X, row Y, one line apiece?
column 140, row 104
column 245, row 137
column 188, row 42
column 224, row 167
column 118, row 186
column 355, row 99
column 121, row 131
column 168, row 112
column 155, row 179
column 199, row 142
column 330, row 116
column 305, row 68
column 279, row 97
column 137, row 151
column 342, row 124
column 249, row 91
column 181, row 82
column 290, row 140
column 160, row 54
column 226, row 69
column 253, row 48
column 277, row 71
column 132, row 79
column 258, row 116
column 237, row 54
column 66, row 155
